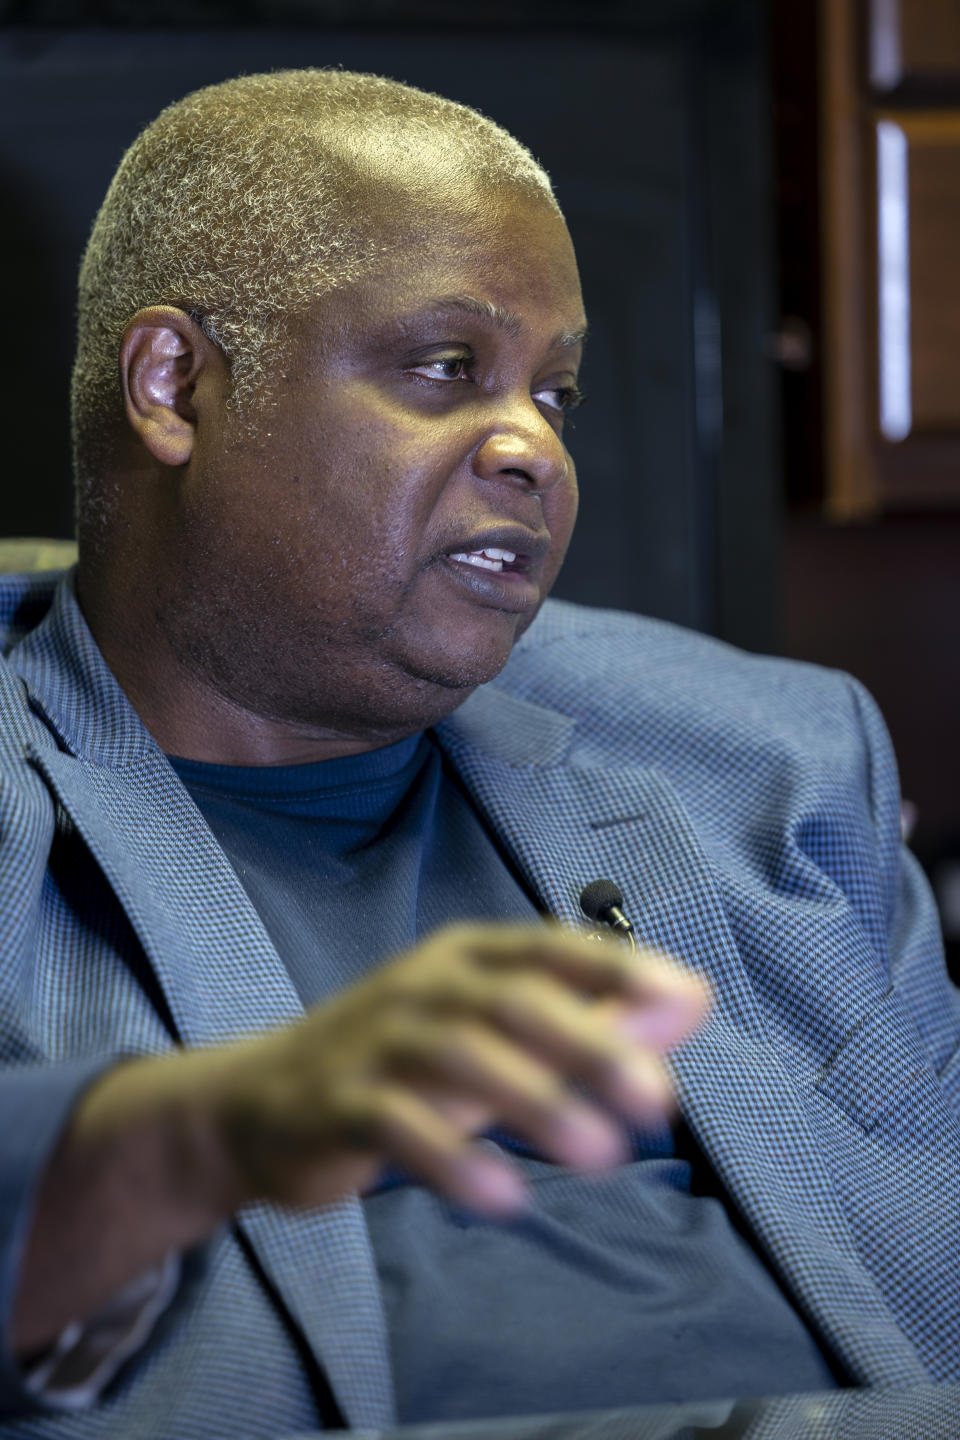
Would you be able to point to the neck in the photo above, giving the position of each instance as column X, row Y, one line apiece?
column 190, row 717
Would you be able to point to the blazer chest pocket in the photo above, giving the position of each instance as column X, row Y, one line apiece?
column 881, row 1079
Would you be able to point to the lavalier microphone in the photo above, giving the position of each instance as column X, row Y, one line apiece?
column 601, row 901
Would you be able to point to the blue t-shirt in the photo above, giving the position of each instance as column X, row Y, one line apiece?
column 634, row 1287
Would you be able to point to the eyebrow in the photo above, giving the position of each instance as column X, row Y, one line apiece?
column 502, row 318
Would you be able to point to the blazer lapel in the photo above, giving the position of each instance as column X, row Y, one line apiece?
column 221, row 976
column 564, row 826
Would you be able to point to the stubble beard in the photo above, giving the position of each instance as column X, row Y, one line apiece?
column 357, row 676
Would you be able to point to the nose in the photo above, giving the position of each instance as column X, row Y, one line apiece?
column 522, row 446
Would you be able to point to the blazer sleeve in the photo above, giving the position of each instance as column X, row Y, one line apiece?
column 41, row 1081
column 36, row 1102
column 915, row 953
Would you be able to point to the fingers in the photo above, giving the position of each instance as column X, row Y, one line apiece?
column 477, row 1025
column 532, row 980
column 530, row 1098
column 672, row 1001
column 422, row 1141
column 576, row 1038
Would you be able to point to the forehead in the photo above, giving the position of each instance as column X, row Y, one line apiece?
column 497, row 258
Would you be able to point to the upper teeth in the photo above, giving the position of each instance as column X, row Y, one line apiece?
column 489, row 559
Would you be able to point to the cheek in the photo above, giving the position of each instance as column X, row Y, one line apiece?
column 377, row 476
column 560, row 507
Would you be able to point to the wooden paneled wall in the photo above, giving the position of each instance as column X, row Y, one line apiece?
column 890, row 158
column 868, row 125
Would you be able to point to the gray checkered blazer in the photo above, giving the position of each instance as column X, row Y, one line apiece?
column 747, row 807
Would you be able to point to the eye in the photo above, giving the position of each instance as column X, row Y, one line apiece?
column 560, row 397
column 444, row 368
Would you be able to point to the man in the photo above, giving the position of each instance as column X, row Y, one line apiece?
column 266, row 739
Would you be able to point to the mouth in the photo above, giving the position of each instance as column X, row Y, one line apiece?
column 491, row 558
column 500, row 568
column 502, row 549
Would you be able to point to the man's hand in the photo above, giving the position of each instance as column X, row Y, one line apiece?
column 477, row 1025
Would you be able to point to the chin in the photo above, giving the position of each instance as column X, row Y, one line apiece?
column 465, row 663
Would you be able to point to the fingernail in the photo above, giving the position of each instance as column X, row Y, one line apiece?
column 648, row 1085
column 494, row 1186
column 591, row 1138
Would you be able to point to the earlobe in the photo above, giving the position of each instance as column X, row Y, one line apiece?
column 161, row 356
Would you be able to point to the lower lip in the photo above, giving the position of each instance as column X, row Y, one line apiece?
column 513, row 590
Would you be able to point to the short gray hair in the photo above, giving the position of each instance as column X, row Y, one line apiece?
column 242, row 204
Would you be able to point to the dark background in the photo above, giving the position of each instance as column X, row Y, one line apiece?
column 681, row 138
column 632, row 120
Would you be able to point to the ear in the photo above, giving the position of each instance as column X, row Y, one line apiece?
column 163, row 355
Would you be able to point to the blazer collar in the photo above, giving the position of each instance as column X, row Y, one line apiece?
column 73, row 689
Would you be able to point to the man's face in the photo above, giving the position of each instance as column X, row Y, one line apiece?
column 372, row 552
